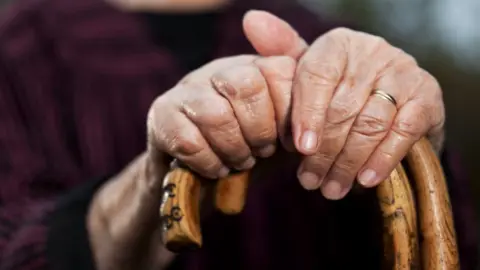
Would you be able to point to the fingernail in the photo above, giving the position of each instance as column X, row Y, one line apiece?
column 267, row 151
column 223, row 172
column 333, row 190
column 247, row 164
column 309, row 181
column 309, row 141
column 367, row 177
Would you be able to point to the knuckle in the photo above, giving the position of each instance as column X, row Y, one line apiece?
column 159, row 104
column 229, row 141
column 313, row 115
column 315, row 109
column 178, row 145
column 223, row 86
column 158, row 131
column 281, row 68
column 432, row 97
column 408, row 129
column 151, row 122
column 345, row 167
column 267, row 135
column 412, row 79
column 371, row 126
column 380, row 41
column 425, row 74
column 386, row 158
column 255, row 99
column 406, row 58
column 428, row 83
column 340, row 31
column 288, row 63
column 217, row 114
column 383, row 44
column 262, row 137
column 432, row 85
column 227, row 123
column 243, row 82
column 376, row 42
column 319, row 163
column 204, row 162
column 228, row 131
column 437, row 95
column 341, row 111
column 320, row 75
column 437, row 120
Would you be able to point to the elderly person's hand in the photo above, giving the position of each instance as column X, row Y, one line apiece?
column 225, row 114
column 221, row 116
column 358, row 105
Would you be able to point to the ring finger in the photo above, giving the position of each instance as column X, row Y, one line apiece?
column 369, row 129
column 349, row 97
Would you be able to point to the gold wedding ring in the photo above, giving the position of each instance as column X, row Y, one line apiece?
column 384, row 95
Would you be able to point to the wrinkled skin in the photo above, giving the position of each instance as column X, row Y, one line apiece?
column 316, row 99
column 233, row 109
column 225, row 114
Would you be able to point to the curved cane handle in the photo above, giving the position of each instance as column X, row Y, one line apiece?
column 180, row 210
column 231, row 193
column 400, row 235
column 439, row 246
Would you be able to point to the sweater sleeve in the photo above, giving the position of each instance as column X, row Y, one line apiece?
column 47, row 234
column 42, row 221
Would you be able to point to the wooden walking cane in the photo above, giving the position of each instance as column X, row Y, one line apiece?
column 410, row 213
column 180, row 205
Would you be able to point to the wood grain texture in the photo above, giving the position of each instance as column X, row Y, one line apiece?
column 231, row 193
column 439, row 247
column 180, row 211
column 400, row 236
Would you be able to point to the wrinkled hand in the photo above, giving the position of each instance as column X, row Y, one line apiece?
column 225, row 114
column 343, row 130
column 220, row 116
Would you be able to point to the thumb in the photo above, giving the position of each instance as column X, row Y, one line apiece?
column 272, row 36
